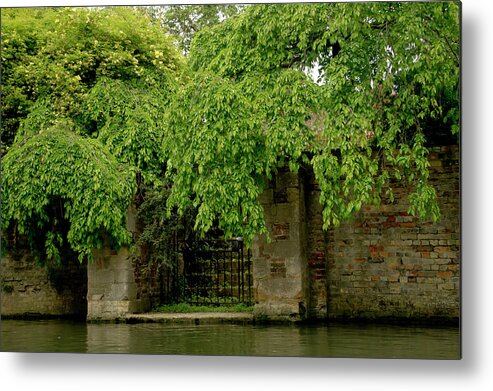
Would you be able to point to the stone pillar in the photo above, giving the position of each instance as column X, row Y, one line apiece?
column 112, row 287
column 280, row 272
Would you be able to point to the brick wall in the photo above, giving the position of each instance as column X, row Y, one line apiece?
column 317, row 240
column 385, row 263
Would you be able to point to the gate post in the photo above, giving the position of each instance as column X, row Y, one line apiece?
column 113, row 286
column 280, row 271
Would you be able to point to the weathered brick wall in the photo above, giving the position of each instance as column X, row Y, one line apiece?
column 316, row 249
column 384, row 264
column 114, row 284
column 28, row 289
column 387, row 264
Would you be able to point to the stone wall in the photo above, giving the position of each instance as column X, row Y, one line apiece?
column 119, row 282
column 387, row 264
column 279, row 267
column 112, row 290
column 384, row 264
column 28, row 289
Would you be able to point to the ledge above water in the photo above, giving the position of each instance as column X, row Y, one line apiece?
column 192, row 318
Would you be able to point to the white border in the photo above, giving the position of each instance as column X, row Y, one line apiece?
column 474, row 372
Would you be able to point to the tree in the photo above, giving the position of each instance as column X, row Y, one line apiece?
column 94, row 84
column 59, row 186
column 355, row 91
column 184, row 21
column 23, row 32
column 386, row 72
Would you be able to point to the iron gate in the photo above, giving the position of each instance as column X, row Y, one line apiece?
column 210, row 272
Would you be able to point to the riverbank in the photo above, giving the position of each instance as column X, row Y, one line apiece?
column 192, row 318
column 224, row 317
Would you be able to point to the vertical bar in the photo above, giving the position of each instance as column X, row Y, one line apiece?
column 217, row 260
column 242, row 275
column 240, row 266
column 162, row 289
column 170, row 282
column 224, row 293
column 172, row 274
column 239, row 273
column 224, row 285
column 190, row 280
column 231, row 273
column 249, row 278
column 170, row 279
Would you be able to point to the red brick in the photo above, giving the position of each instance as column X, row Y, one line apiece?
column 280, row 231
column 424, row 248
column 375, row 248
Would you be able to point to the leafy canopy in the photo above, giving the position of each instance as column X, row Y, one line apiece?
column 354, row 90
column 22, row 35
column 225, row 136
column 87, row 90
column 59, row 176
column 184, row 21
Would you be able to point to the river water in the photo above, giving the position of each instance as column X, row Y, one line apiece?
column 334, row 340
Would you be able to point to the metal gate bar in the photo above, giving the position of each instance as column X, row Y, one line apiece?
column 208, row 272
column 214, row 273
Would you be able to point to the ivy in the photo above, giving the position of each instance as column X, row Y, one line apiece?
column 129, row 120
column 100, row 68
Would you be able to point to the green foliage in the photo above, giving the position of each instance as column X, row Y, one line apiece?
column 22, row 35
column 225, row 137
column 129, row 121
column 184, row 21
column 79, row 177
column 160, row 229
column 355, row 90
column 110, row 71
column 386, row 78
column 86, row 91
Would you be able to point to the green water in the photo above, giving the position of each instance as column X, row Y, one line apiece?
column 335, row 340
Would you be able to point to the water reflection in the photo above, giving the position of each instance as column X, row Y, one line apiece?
column 336, row 340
